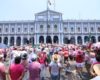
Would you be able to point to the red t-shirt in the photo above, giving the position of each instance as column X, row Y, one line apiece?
column 65, row 53
column 42, row 58
column 79, row 58
column 2, row 72
column 16, row 71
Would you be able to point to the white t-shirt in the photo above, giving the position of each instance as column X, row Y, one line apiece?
column 96, row 78
column 54, row 68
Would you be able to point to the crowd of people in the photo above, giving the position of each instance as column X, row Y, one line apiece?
column 31, row 63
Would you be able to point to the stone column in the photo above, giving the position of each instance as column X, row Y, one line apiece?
column 35, row 39
column 52, row 38
column 82, row 39
column 62, row 39
column 75, row 39
column 15, row 37
column 8, row 40
column 96, row 38
column 2, row 39
column 21, row 40
column 44, row 38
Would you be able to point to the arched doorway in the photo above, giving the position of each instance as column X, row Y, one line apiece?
column 79, row 40
column 6, row 40
column 99, row 38
column 11, row 41
column 41, row 39
column 48, row 39
column 0, row 39
column 72, row 40
column 93, row 39
column 55, row 39
column 18, row 41
column 31, row 40
column 66, row 41
column 25, row 41
column 86, row 39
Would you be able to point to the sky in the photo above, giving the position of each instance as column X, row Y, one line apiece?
column 11, row 10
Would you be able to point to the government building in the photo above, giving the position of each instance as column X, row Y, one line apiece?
column 49, row 27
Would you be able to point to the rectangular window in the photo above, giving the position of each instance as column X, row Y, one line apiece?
column 25, row 29
column 6, row 30
column 0, row 30
column 18, row 29
column 12, row 29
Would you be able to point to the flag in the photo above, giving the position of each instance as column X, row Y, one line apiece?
column 49, row 2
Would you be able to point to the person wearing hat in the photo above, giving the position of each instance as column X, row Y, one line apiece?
column 54, row 69
column 2, row 69
column 34, row 69
column 24, row 62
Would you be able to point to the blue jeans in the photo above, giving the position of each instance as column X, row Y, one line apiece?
column 54, row 77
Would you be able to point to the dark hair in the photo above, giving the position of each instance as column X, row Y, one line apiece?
column 98, row 57
column 24, row 56
column 33, row 59
column 56, row 52
column 17, row 60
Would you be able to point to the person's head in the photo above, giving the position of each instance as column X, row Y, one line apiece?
column 1, row 57
column 98, row 57
column 24, row 56
column 56, row 52
column 17, row 60
column 34, row 58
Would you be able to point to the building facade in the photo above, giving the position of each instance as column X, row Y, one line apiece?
column 49, row 27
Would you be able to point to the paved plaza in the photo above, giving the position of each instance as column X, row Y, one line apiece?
column 70, row 76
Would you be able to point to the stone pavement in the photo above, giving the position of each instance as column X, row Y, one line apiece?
column 70, row 76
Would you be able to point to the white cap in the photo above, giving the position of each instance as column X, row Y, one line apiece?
column 1, row 55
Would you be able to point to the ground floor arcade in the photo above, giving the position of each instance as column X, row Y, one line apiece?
column 36, row 39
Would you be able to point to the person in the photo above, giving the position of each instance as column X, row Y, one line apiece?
column 2, row 68
column 34, row 69
column 42, row 59
column 95, row 67
column 24, row 62
column 54, row 69
column 16, row 70
column 80, row 63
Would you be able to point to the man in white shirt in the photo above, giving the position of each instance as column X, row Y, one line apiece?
column 54, row 68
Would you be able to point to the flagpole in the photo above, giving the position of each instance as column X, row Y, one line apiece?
column 54, row 5
column 47, row 19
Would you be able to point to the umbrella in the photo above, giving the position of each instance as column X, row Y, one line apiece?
column 3, row 46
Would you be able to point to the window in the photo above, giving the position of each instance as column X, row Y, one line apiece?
column 98, row 29
column 72, row 29
column 41, row 27
column 65, row 29
column 18, row 29
column 6, row 30
column 85, row 29
column 55, row 27
column 92, row 29
column 25, row 29
column 12, row 29
column 31, row 29
column 78, row 29
column 48, row 28
column 0, row 30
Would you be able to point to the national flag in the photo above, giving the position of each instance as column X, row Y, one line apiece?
column 49, row 2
